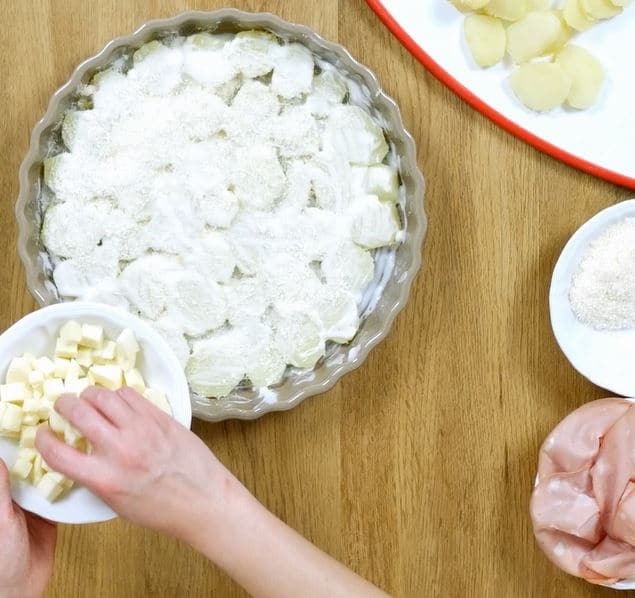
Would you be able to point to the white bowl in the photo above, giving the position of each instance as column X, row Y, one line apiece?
column 605, row 357
column 36, row 334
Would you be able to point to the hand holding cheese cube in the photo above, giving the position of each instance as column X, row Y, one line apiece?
column 83, row 356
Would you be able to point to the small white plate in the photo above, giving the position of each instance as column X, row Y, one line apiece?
column 161, row 369
column 605, row 357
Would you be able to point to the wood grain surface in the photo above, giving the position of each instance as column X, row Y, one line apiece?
column 416, row 469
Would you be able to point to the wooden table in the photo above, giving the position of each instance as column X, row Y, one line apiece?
column 416, row 469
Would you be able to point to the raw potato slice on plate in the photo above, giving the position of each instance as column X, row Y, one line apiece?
column 532, row 30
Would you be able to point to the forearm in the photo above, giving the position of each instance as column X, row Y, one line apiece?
column 265, row 556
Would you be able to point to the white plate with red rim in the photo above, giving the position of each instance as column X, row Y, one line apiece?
column 598, row 140
column 36, row 333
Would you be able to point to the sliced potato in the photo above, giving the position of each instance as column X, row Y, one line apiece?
column 473, row 4
column 600, row 9
column 509, row 10
column 586, row 75
column 541, row 86
column 534, row 35
column 563, row 37
column 575, row 16
column 486, row 39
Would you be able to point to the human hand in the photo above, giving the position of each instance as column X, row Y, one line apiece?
column 27, row 547
column 144, row 465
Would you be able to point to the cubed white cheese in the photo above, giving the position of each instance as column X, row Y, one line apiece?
column 56, row 422
column 126, row 349
column 135, row 380
column 60, row 368
column 15, row 392
column 27, row 437
column 109, row 375
column 30, row 359
column 18, row 370
column 85, row 357
column 37, row 472
column 49, row 487
column 72, row 437
column 71, row 332
column 65, row 349
column 108, row 351
column 53, row 388
column 35, row 378
column 74, row 371
column 27, row 454
column 45, row 409
column 76, row 387
column 46, row 366
column 11, row 418
column 31, row 406
column 92, row 336
column 22, row 468
column 30, row 419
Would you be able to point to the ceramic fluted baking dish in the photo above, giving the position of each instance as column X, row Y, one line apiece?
column 395, row 268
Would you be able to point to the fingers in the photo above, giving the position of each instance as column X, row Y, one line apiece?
column 61, row 457
column 109, row 404
column 6, row 502
column 85, row 418
column 140, row 405
column 43, row 531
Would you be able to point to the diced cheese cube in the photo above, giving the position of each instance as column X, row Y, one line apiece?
column 74, row 372
column 31, row 406
column 53, row 388
column 22, row 469
column 127, row 349
column 109, row 376
column 46, row 366
column 65, row 349
column 49, row 487
column 30, row 419
column 27, row 437
column 37, row 393
column 128, row 341
column 76, row 387
column 108, row 351
column 56, row 422
column 92, row 336
column 18, row 370
column 60, row 368
column 158, row 399
column 27, row 454
column 45, row 409
column 11, row 418
column 71, row 436
column 30, row 359
column 37, row 472
column 85, row 357
column 67, row 483
column 71, row 332
column 15, row 392
column 135, row 380
column 35, row 378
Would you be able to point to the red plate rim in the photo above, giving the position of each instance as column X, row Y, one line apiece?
column 464, row 93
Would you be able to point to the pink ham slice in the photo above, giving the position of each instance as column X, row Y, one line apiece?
column 583, row 504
